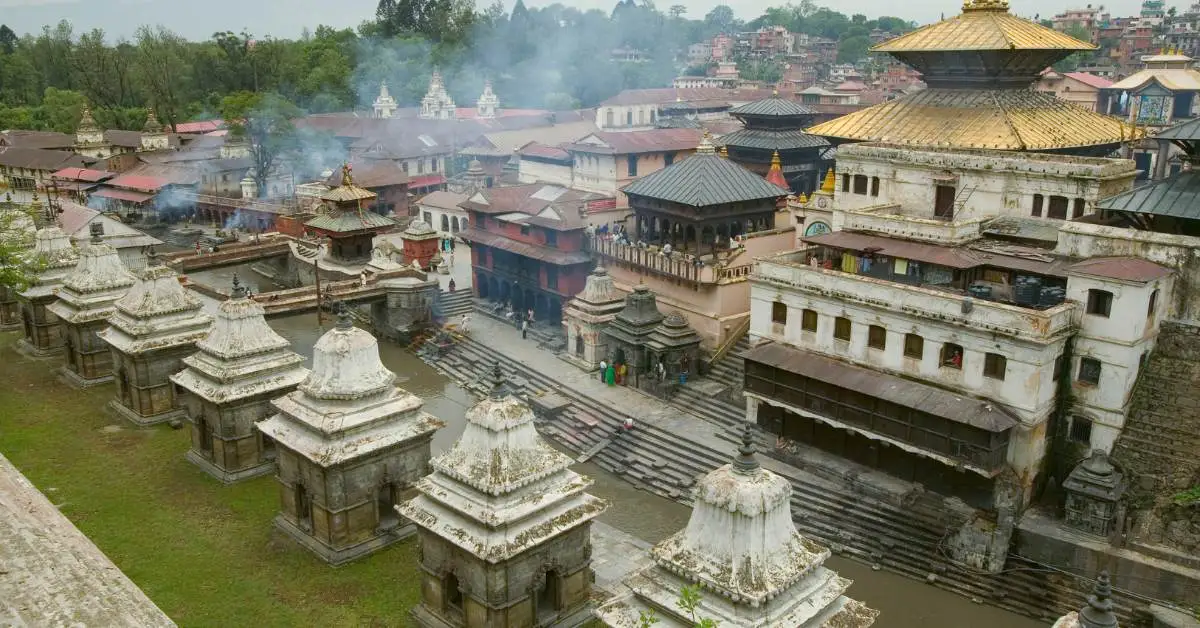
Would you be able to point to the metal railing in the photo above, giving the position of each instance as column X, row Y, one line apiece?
column 676, row 265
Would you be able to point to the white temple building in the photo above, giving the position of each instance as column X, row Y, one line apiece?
column 240, row 366
column 87, row 298
column 488, row 103
column 155, row 326
column 504, row 525
column 385, row 104
column 585, row 317
column 437, row 104
column 349, row 445
column 55, row 257
column 742, row 548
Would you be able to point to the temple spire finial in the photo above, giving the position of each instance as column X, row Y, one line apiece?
column 239, row 291
column 746, row 462
column 706, row 145
column 347, row 177
column 1099, row 610
column 344, row 321
column 499, row 383
column 725, row 151
column 97, row 232
column 830, row 182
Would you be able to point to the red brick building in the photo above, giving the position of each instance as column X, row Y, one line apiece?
column 527, row 245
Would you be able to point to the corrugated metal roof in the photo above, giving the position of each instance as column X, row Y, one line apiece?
column 139, row 182
column 1123, row 268
column 773, row 106
column 995, row 29
column 928, row 253
column 1174, row 79
column 123, row 195
column 1184, row 131
column 629, row 142
column 979, row 413
column 703, row 180
column 1003, row 119
column 82, row 174
column 1177, row 196
column 773, row 140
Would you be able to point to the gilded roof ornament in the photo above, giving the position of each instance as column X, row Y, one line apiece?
column 830, row 182
column 985, row 5
column 706, row 145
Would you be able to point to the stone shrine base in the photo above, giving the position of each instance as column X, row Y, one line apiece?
column 225, row 476
column 337, row 557
column 74, row 380
column 120, row 410
column 29, row 350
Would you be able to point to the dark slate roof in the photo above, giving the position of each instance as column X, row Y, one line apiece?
column 773, row 106
column 702, row 180
column 39, row 158
column 978, row 413
column 348, row 222
column 1184, row 131
column 773, row 140
column 1177, row 196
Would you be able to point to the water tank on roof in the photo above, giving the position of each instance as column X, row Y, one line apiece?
column 1027, row 291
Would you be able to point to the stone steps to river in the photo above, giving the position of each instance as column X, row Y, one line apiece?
column 453, row 305
column 901, row 539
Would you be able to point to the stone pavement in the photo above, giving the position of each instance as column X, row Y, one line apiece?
column 615, row 555
column 52, row 575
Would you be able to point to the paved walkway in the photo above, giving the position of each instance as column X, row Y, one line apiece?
column 643, row 408
column 615, row 555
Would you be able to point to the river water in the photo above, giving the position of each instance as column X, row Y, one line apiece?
column 904, row 603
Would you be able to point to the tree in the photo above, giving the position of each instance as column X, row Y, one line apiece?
column 1075, row 59
column 851, row 49
column 677, row 11
column 16, row 238
column 162, row 65
column 8, row 40
column 265, row 121
column 721, row 19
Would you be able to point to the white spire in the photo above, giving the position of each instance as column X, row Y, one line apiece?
column 488, row 103
column 385, row 105
column 437, row 103
column 56, row 256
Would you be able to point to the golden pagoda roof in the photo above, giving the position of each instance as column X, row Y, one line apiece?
column 996, row 119
column 983, row 25
column 347, row 191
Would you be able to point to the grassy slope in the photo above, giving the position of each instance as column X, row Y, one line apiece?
column 207, row 554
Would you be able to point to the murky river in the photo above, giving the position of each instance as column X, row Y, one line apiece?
column 904, row 603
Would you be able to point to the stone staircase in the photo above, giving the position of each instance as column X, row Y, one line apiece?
column 717, row 396
column 853, row 518
column 452, row 305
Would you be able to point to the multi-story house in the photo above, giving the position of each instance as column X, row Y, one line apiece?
column 605, row 162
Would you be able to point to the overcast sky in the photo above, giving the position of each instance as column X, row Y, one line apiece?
column 286, row 18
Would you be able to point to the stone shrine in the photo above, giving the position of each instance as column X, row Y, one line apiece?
column 488, row 103
column 504, row 526
column 586, row 316
column 642, row 338
column 85, row 301
column 420, row 244
column 742, row 549
column 437, row 103
column 385, row 105
column 228, row 386
column 1098, row 613
column 156, row 324
column 1094, row 489
column 349, row 444
column 55, row 257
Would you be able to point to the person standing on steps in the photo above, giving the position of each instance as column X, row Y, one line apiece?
column 610, row 376
column 524, row 329
column 603, row 369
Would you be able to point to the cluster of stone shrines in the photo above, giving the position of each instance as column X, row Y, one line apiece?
column 503, row 524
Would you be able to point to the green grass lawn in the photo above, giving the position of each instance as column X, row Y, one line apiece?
column 207, row 554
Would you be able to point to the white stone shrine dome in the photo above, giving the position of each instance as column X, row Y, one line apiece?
column 346, row 365
column 99, row 269
column 418, row 227
column 751, row 494
column 52, row 246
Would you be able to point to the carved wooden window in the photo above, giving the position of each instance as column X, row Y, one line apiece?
column 874, row 186
column 1080, row 205
column 1081, row 429
column 952, row 356
column 845, row 183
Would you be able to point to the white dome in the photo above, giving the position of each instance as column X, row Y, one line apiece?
column 346, row 365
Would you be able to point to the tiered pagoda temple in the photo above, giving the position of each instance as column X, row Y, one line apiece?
column 586, row 316
column 774, row 128
column 155, row 326
column 54, row 257
column 741, row 546
column 349, row 445
column 348, row 222
column 504, row 525
column 979, row 67
column 697, row 204
column 87, row 298
column 229, row 383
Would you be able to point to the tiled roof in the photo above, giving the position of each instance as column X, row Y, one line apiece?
column 773, row 140
column 550, row 206
column 1176, row 196
column 139, row 182
column 1007, row 119
column 653, row 140
column 540, row 253
column 1099, row 82
column 443, row 200
column 1184, row 131
column 773, row 106
column 204, row 126
column 1122, row 268
column 38, row 139
column 664, row 95
column 373, row 174
column 349, row 221
column 38, row 158
column 702, row 180
column 982, row 30
column 82, row 174
column 1175, row 79
column 534, row 149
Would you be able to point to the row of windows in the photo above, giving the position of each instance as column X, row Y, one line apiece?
column 1057, row 206
column 860, row 184
column 995, row 366
column 433, row 165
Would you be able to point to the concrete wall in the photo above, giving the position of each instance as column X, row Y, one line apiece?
column 434, row 215
column 626, row 117
column 594, row 172
column 534, row 171
column 1000, row 183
